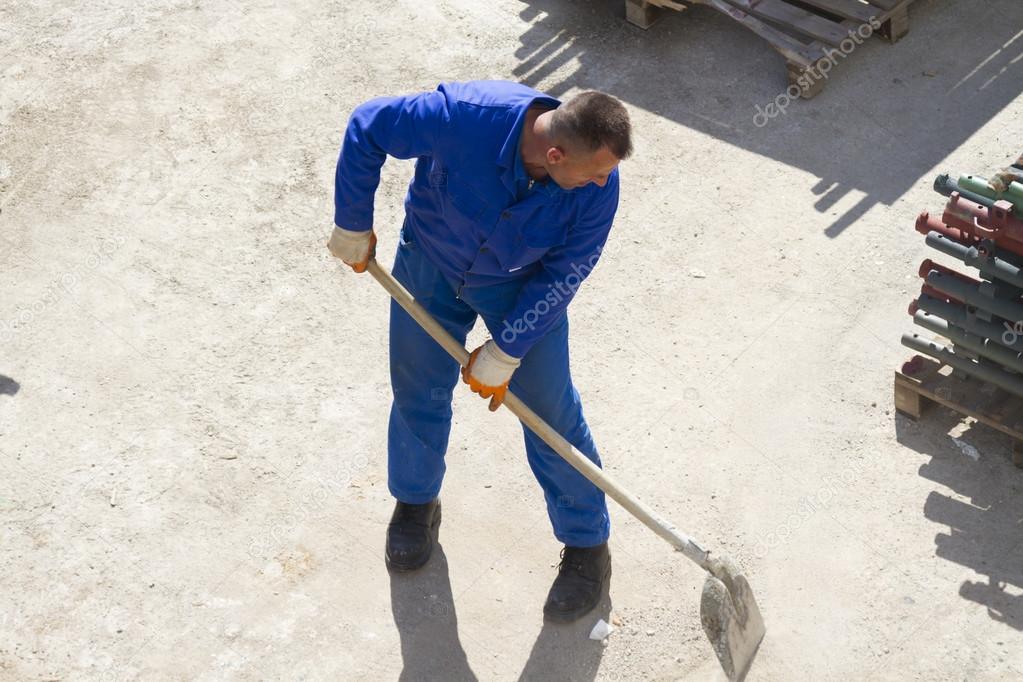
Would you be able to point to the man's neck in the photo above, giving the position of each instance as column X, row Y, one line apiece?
column 535, row 142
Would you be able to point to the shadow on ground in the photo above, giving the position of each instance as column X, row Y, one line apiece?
column 424, row 613
column 888, row 115
column 8, row 386
column 983, row 532
column 565, row 652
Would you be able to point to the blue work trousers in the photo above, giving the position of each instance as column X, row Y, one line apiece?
column 423, row 376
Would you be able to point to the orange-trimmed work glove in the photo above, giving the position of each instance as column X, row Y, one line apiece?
column 354, row 248
column 489, row 371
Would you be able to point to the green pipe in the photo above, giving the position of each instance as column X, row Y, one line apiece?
column 978, row 185
column 945, row 185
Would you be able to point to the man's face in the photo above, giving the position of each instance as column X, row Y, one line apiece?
column 572, row 170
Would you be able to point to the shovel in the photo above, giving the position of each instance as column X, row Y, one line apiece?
column 728, row 611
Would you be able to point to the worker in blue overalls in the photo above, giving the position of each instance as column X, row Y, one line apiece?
column 512, row 200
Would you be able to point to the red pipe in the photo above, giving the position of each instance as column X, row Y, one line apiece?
column 940, row 295
column 925, row 223
column 998, row 217
column 997, row 223
column 928, row 265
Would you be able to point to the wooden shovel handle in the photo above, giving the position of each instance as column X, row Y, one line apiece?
column 677, row 539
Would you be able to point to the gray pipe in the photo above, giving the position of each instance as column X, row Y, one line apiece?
column 958, row 315
column 990, row 349
column 989, row 265
column 944, row 184
column 971, row 294
column 1000, row 378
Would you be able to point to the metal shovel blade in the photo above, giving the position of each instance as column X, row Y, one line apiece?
column 730, row 617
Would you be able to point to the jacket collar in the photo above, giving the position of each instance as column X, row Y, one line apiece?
column 506, row 158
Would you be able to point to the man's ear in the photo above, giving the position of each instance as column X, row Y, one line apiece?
column 555, row 155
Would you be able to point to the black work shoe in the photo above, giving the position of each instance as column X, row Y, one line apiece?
column 411, row 535
column 582, row 575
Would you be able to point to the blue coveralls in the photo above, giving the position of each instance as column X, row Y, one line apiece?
column 480, row 238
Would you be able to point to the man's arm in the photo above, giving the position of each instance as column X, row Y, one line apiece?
column 547, row 294
column 403, row 127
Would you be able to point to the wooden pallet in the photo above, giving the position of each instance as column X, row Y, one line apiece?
column 809, row 34
column 931, row 382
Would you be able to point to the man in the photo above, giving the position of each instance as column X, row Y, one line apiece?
column 512, row 200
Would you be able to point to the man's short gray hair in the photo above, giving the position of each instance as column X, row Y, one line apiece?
column 592, row 120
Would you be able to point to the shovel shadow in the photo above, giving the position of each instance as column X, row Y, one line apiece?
column 424, row 613
column 566, row 652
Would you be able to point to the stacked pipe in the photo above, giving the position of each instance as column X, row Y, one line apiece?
column 981, row 315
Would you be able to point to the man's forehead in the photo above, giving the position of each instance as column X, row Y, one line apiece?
column 604, row 159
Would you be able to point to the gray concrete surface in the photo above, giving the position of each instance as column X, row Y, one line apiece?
column 194, row 397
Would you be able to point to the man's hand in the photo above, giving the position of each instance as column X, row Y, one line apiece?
column 352, row 247
column 489, row 371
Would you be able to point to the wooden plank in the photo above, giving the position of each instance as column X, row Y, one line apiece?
column 847, row 9
column 795, row 77
column 908, row 400
column 928, row 368
column 886, row 5
column 641, row 13
column 670, row 4
column 896, row 25
column 799, row 20
column 1014, row 419
column 787, row 46
column 968, row 403
column 997, row 405
column 799, row 31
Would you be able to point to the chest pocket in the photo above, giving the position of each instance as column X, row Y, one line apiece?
column 463, row 197
column 521, row 238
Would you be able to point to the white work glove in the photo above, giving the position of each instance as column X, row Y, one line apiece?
column 353, row 247
column 489, row 371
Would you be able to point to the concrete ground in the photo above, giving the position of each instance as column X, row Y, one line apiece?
column 194, row 395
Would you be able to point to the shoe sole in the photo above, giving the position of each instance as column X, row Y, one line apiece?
column 563, row 618
column 408, row 568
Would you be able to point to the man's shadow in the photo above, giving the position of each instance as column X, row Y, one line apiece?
column 424, row 613
column 566, row 652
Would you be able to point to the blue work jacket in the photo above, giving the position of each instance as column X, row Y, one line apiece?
column 471, row 207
